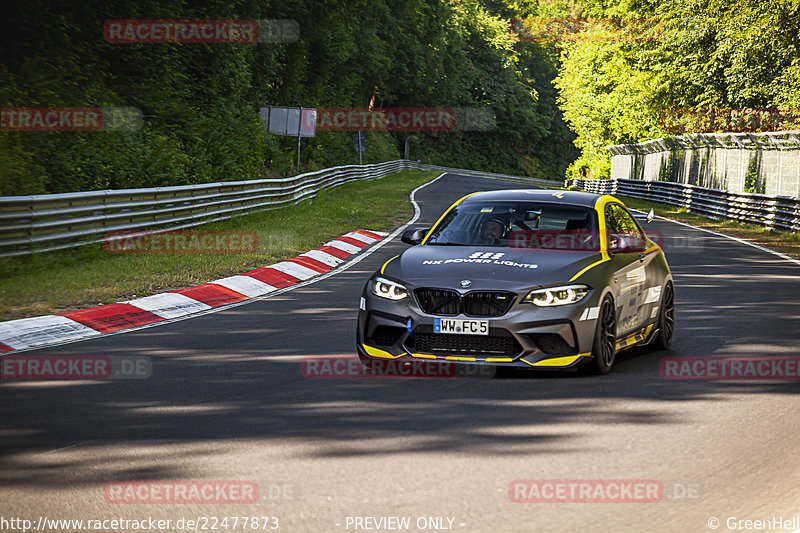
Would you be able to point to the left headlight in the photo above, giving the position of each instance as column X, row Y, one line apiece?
column 552, row 296
column 388, row 289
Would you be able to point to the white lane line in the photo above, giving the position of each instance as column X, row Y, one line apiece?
column 731, row 237
column 295, row 270
column 344, row 246
column 323, row 257
column 246, row 285
column 29, row 332
column 169, row 305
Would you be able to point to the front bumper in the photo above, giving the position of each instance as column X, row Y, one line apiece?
column 526, row 336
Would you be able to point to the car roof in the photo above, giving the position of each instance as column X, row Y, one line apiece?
column 541, row 195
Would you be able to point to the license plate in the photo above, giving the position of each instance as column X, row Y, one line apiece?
column 461, row 326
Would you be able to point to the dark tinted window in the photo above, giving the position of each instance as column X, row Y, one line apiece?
column 500, row 223
column 620, row 222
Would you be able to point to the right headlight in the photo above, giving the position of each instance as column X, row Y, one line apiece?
column 388, row 289
column 552, row 296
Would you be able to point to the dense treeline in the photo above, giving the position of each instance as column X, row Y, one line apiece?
column 200, row 101
column 617, row 87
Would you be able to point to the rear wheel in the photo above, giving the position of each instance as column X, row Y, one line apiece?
column 604, row 349
column 666, row 319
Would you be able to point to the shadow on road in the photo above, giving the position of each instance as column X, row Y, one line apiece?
column 235, row 375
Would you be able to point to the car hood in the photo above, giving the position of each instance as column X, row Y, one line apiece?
column 487, row 267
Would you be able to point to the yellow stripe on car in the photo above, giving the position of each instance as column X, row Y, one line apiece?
column 634, row 338
column 387, row 262
column 375, row 352
column 599, row 207
column 579, row 274
column 558, row 361
column 455, row 358
column 652, row 249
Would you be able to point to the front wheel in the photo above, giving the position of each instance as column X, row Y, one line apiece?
column 604, row 349
column 666, row 319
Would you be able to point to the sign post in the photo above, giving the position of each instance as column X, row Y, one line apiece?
column 361, row 145
column 290, row 121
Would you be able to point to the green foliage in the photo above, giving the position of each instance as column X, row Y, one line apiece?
column 752, row 183
column 705, row 54
column 200, row 101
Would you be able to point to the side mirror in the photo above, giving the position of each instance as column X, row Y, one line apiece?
column 414, row 236
column 625, row 244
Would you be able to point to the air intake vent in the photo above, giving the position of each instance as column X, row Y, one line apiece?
column 477, row 303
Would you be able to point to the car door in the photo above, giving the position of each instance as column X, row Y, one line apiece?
column 633, row 269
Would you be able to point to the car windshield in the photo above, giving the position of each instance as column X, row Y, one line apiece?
column 539, row 225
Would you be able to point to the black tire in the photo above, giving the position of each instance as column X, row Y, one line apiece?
column 666, row 319
column 604, row 349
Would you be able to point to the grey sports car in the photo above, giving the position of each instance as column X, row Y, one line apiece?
column 521, row 278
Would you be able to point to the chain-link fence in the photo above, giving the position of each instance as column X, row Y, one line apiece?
column 763, row 163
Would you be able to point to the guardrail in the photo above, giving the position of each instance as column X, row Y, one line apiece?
column 492, row 175
column 774, row 212
column 49, row 222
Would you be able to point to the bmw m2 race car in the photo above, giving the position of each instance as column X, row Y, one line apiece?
column 521, row 278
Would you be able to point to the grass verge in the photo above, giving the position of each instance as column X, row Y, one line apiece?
column 61, row 281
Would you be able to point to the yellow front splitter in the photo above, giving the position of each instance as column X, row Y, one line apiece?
column 548, row 363
column 558, row 362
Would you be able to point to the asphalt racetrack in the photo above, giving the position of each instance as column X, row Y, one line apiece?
column 227, row 401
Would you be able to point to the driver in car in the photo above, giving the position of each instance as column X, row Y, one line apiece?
column 492, row 231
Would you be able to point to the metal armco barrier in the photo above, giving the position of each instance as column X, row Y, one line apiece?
column 493, row 175
column 774, row 212
column 48, row 222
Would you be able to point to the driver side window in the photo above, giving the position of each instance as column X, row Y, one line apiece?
column 620, row 222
